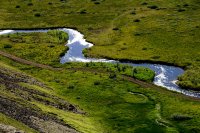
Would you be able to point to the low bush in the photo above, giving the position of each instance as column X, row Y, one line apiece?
column 180, row 117
column 136, row 20
column 17, row 6
column 97, row 83
column 7, row 46
column 37, row 15
column 70, row 86
column 153, row 7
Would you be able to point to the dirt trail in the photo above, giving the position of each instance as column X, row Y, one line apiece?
column 20, row 60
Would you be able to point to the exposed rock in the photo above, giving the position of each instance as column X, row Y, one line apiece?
column 9, row 129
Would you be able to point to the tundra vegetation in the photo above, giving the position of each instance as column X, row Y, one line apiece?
column 88, row 97
column 136, row 30
column 95, row 97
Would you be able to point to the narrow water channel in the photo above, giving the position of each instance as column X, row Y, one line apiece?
column 166, row 76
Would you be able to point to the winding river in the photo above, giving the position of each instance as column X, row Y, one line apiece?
column 166, row 76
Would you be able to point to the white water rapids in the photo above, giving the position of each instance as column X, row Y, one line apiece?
column 166, row 76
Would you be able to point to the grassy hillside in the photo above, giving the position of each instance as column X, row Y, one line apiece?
column 84, row 97
column 137, row 30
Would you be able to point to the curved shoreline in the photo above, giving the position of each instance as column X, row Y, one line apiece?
column 144, row 61
column 109, row 58
column 166, row 75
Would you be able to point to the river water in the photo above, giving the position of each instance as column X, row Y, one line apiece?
column 166, row 76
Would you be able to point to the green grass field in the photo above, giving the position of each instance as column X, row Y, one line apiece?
column 111, row 103
column 144, row 30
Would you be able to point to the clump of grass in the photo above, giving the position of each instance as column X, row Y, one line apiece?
column 143, row 74
column 83, row 11
column 136, row 20
column 144, row 48
column 144, row 3
column 71, row 86
column 155, row 57
column 181, row 10
column 133, row 13
column 30, row 4
column 7, row 46
column 17, row 6
column 115, row 28
column 186, row 5
column 64, row 52
column 37, row 15
column 62, row 36
column 97, row 3
column 153, row 7
column 180, row 117
column 112, row 75
column 97, row 83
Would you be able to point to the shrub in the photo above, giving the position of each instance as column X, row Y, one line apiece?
column 138, row 34
column 83, row 11
column 97, row 3
column 51, row 46
column 17, row 6
column 181, row 10
column 87, row 65
column 185, row 5
column 133, row 12
column 78, row 97
column 115, row 28
column 123, row 48
column 97, row 83
column 30, row 4
column 112, row 75
column 144, row 3
column 155, row 57
column 7, row 46
column 144, row 48
column 64, row 52
column 153, row 7
column 62, row 36
column 71, row 87
column 136, row 20
column 180, row 117
column 143, row 74
column 37, row 15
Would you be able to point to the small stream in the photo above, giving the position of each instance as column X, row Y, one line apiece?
column 166, row 76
